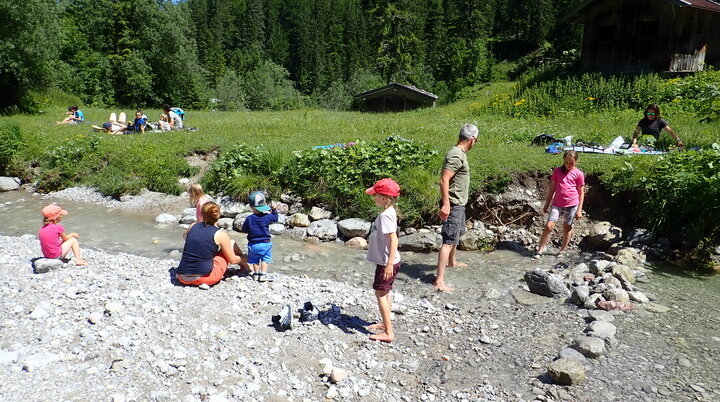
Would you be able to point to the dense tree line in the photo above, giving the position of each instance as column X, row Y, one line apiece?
column 264, row 54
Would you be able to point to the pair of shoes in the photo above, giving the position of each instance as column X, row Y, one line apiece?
column 283, row 320
column 309, row 312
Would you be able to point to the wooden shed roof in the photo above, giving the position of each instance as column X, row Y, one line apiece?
column 708, row 5
column 394, row 86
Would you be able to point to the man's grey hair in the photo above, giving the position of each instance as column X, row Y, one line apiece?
column 468, row 132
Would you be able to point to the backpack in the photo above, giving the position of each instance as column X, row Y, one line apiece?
column 179, row 112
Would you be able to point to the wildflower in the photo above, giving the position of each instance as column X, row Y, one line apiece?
column 589, row 98
column 520, row 102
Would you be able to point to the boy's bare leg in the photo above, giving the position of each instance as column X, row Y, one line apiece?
column 453, row 262
column 264, row 266
column 443, row 257
column 384, row 303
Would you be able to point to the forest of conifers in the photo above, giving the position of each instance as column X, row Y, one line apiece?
column 267, row 54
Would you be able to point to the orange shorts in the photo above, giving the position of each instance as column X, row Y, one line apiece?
column 220, row 265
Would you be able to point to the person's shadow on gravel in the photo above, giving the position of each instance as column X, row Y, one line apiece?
column 423, row 272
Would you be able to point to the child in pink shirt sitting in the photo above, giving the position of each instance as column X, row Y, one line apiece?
column 567, row 196
column 53, row 240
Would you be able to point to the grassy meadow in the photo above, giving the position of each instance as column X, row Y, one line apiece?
column 156, row 159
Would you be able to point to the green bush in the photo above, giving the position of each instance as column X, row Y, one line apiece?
column 11, row 140
column 335, row 176
column 244, row 169
column 70, row 163
column 679, row 194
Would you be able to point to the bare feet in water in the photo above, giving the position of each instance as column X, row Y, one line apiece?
column 458, row 264
column 383, row 336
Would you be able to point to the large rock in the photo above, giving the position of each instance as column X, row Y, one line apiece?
column 240, row 220
column 324, row 229
column 44, row 265
column 640, row 237
column 226, row 223
column 354, row 227
column 601, row 327
column 229, row 208
column 580, row 294
column 8, row 184
column 420, row 241
column 616, row 295
column 630, row 256
column 589, row 346
column 570, row 353
column 277, row 228
column 474, row 240
column 639, row 297
column 623, row 272
column 603, row 235
column 188, row 216
column 317, row 213
column 164, row 219
column 598, row 267
column 592, row 301
column 567, row 371
column 357, row 242
column 546, row 284
column 298, row 220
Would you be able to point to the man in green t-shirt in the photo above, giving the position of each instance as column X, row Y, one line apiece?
column 454, row 190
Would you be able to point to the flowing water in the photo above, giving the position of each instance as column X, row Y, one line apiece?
column 664, row 356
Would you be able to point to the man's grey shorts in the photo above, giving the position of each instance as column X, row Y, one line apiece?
column 569, row 212
column 454, row 227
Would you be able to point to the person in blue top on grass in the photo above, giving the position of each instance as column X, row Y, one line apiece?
column 140, row 122
column 257, row 227
column 75, row 116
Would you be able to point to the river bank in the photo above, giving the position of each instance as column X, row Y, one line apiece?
column 120, row 329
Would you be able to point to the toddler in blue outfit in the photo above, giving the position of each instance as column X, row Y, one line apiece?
column 257, row 227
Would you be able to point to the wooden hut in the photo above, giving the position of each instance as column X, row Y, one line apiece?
column 396, row 97
column 633, row 36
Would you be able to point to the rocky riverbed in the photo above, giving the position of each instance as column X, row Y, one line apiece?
column 121, row 330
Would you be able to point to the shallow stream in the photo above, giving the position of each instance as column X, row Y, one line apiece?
column 669, row 356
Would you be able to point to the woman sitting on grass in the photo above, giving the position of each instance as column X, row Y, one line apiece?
column 651, row 124
column 75, row 116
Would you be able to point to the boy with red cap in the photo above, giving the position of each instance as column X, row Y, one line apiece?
column 55, row 244
column 383, row 251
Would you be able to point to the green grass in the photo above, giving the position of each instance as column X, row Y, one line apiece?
column 502, row 148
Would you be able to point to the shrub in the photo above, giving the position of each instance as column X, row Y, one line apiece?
column 336, row 176
column 11, row 140
column 243, row 169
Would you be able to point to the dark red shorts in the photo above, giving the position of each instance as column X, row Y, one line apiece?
column 384, row 284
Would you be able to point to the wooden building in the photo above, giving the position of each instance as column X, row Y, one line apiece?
column 634, row 36
column 396, row 97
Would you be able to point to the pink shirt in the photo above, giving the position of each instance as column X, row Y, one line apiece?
column 566, row 187
column 198, row 207
column 50, row 241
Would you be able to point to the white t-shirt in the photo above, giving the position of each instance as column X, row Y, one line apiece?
column 378, row 244
column 175, row 119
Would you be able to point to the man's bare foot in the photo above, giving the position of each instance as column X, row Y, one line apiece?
column 376, row 326
column 383, row 336
column 441, row 287
column 81, row 262
column 458, row 264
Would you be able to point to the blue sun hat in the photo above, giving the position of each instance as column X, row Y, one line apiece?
column 259, row 202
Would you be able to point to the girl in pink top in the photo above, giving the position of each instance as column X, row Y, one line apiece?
column 567, row 196
column 53, row 240
column 197, row 199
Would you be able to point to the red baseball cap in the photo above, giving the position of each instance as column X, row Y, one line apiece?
column 385, row 187
column 52, row 211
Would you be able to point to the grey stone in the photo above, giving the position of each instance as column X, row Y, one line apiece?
column 546, row 284
column 188, row 216
column 638, row 296
column 597, row 267
column 354, row 227
column 603, row 235
column 618, row 295
column 277, row 228
column 317, row 213
column 474, row 240
column 420, row 241
column 8, row 184
column 44, row 265
column 580, row 294
column 323, row 229
column 298, row 233
column 357, row 242
column 640, row 237
column 630, row 256
column 95, row 317
column 590, row 346
column 164, row 219
column 592, row 301
column 598, row 327
column 298, row 220
column 230, row 208
column 623, row 272
column 338, row 375
column 567, row 371
column 226, row 223
column 656, row 308
column 601, row 315
column 239, row 220
column 570, row 353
